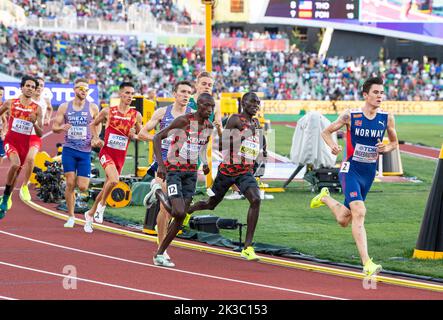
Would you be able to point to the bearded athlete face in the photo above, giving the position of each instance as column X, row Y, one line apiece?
column 81, row 90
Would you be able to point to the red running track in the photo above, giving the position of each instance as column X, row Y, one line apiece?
column 37, row 254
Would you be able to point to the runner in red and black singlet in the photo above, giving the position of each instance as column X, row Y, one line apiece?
column 242, row 142
column 189, row 135
column 24, row 116
column 122, row 124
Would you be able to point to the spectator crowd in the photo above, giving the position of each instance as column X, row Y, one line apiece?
column 62, row 57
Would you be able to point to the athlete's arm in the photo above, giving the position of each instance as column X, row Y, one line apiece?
column 37, row 120
column 392, row 135
column 138, row 125
column 98, row 121
column 178, row 123
column 5, row 107
column 59, row 124
column 204, row 159
column 49, row 110
column 217, row 119
column 343, row 119
column 95, row 111
column 151, row 124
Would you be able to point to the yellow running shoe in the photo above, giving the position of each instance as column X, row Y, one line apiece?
column 249, row 254
column 10, row 202
column 371, row 269
column 316, row 201
column 24, row 193
column 186, row 220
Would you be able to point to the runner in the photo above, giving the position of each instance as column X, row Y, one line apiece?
column 365, row 130
column 236, row 167
column 164, row 116
column 24, row 116
column 189, row 136
column 122, row 123
column 74, row 119
column 36, row 142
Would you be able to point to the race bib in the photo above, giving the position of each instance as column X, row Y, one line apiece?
column 250, row 148
column 22, row 126
column 345, row 167
column 366, row 154
column 77, row 133
column 189, row 151
column 166, row 143
column 117, row 142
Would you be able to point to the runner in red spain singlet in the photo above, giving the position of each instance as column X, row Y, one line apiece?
column 122, row 124
column 24, row 116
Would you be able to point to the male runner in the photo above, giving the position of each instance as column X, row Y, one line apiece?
column 365, row 130
column 24, row 115
column 182, row 91
column 237, row 165
column 36, row 142
column 204, row 84
column 74, row 119
column 190, row 134
column 120, row 123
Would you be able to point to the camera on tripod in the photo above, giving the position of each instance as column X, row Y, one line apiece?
column 50, row 182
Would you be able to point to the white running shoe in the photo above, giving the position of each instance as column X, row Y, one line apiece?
column 161, row 260
column 166, row 255
column 98, row 216
column 70, row 223
column 150, row 197
column 235, row 196
column 88, row 225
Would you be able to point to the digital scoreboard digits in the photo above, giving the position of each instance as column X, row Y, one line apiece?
column 314, row 9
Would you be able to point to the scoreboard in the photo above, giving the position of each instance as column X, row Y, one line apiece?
column 314, row 9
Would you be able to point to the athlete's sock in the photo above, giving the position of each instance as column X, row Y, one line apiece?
column 7, row 191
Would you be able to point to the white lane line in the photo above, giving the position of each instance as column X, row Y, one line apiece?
column 418, row 155
column 65, row 276
column 175, row 270
column 47, row 134
column 7, row 298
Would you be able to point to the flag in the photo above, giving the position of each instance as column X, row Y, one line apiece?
column 61, row 45
column 305, row 5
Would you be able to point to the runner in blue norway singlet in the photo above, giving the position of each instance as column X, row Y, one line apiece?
column 357, row 172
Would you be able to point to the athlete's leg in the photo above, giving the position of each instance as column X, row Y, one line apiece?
column 179, row 206
column 29, row 167
column 253, row 196
column 70, row 192
column 111, row 180
column 163, row 217
column 358, row 211
column 340, row 212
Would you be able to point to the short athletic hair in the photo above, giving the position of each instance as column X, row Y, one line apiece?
column 204, row 74
column 368, row 83
column 183, row 82
column 28, row 78
column 126, row 84
column 78, row 80
column 2, row 88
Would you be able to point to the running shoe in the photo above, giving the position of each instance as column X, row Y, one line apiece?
column 24, row 193
column 235, row 195
column 10, row 202
column 150, row 197
column 249, row 254
column 316, row 201
column 161, row 260
column 3, row 208
column 371, row 269
column 88, row 223
column 70, row 223
column 98, row 216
